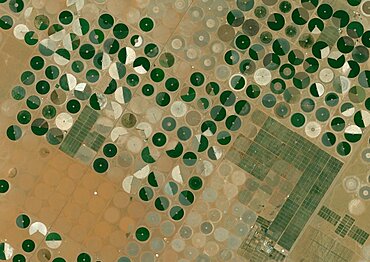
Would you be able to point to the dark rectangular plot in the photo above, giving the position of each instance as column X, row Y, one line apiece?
column 263, row 222
column 260, row 171
column 261, row 154
column 295, row 142
column 298, row 196
column 242, row 143
column 329, row 215
column 313, row 198
column 357, row 234
column 288, row 154
column 290, row 235
column 294, row 228
column 90, row 138
column 301, row 161
column 312, row 169
column 282, row 219
column 281, row 167
column 74, row 130
column 98, row 142
column 269, row 142
column 306, row 195
column 234, row 156
column 247, row 163
column 270, row 125
column 333, row 166
column 276, row 129
column 70, row 146
column 82, row 134
column 321, row 158
column 344, row 225
column 286, row 135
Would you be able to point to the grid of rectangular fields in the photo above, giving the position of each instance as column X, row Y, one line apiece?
column 319, row 183
column 329, row 215
column 344, row 225
column 357, row 234
column 251, row 157
column 79, row 131
column 276, row 147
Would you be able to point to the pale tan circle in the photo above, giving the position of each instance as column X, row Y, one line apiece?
column 177, row 43
column 78, row 233
column 106, row 190
column 115, row 174
column 54, row 7
column 178, row 244
column 178, row 109
column 221, row 234
column 217, row 182
column 211, row 248
column 81, row 195
column 201, row 208
column 52, row 177
column 135, row 144
column 217, row 47
column 57, row 200
column 198, row 240
column 222, row 72
column 72, row 211
column 94, row 243
column 91, row 180
column 136, row 209
column 326, row 75
column 182, row 68
column 356, row 207
column 313, row 129
column 121, row 199
column 75, row 170
column 165, row 163
column 63, row 225
column 96, row 204
column 8, row 107
column 238, row 178
column 109, row 253
column 103, row 229
column 38, row 4
column 66, row 186
column 223, row 204
column 230, row 190
column 191, row 53
column 132, row 15
column 139, row 105
column 112, row 215
column 153, row 115
column 262, row 76
column 127, row 224
column 169, row 255
column 116, row 8
column 225, row 169
column 90, row 10
column 116, row 239
column 64, row 121
column 193, row 219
